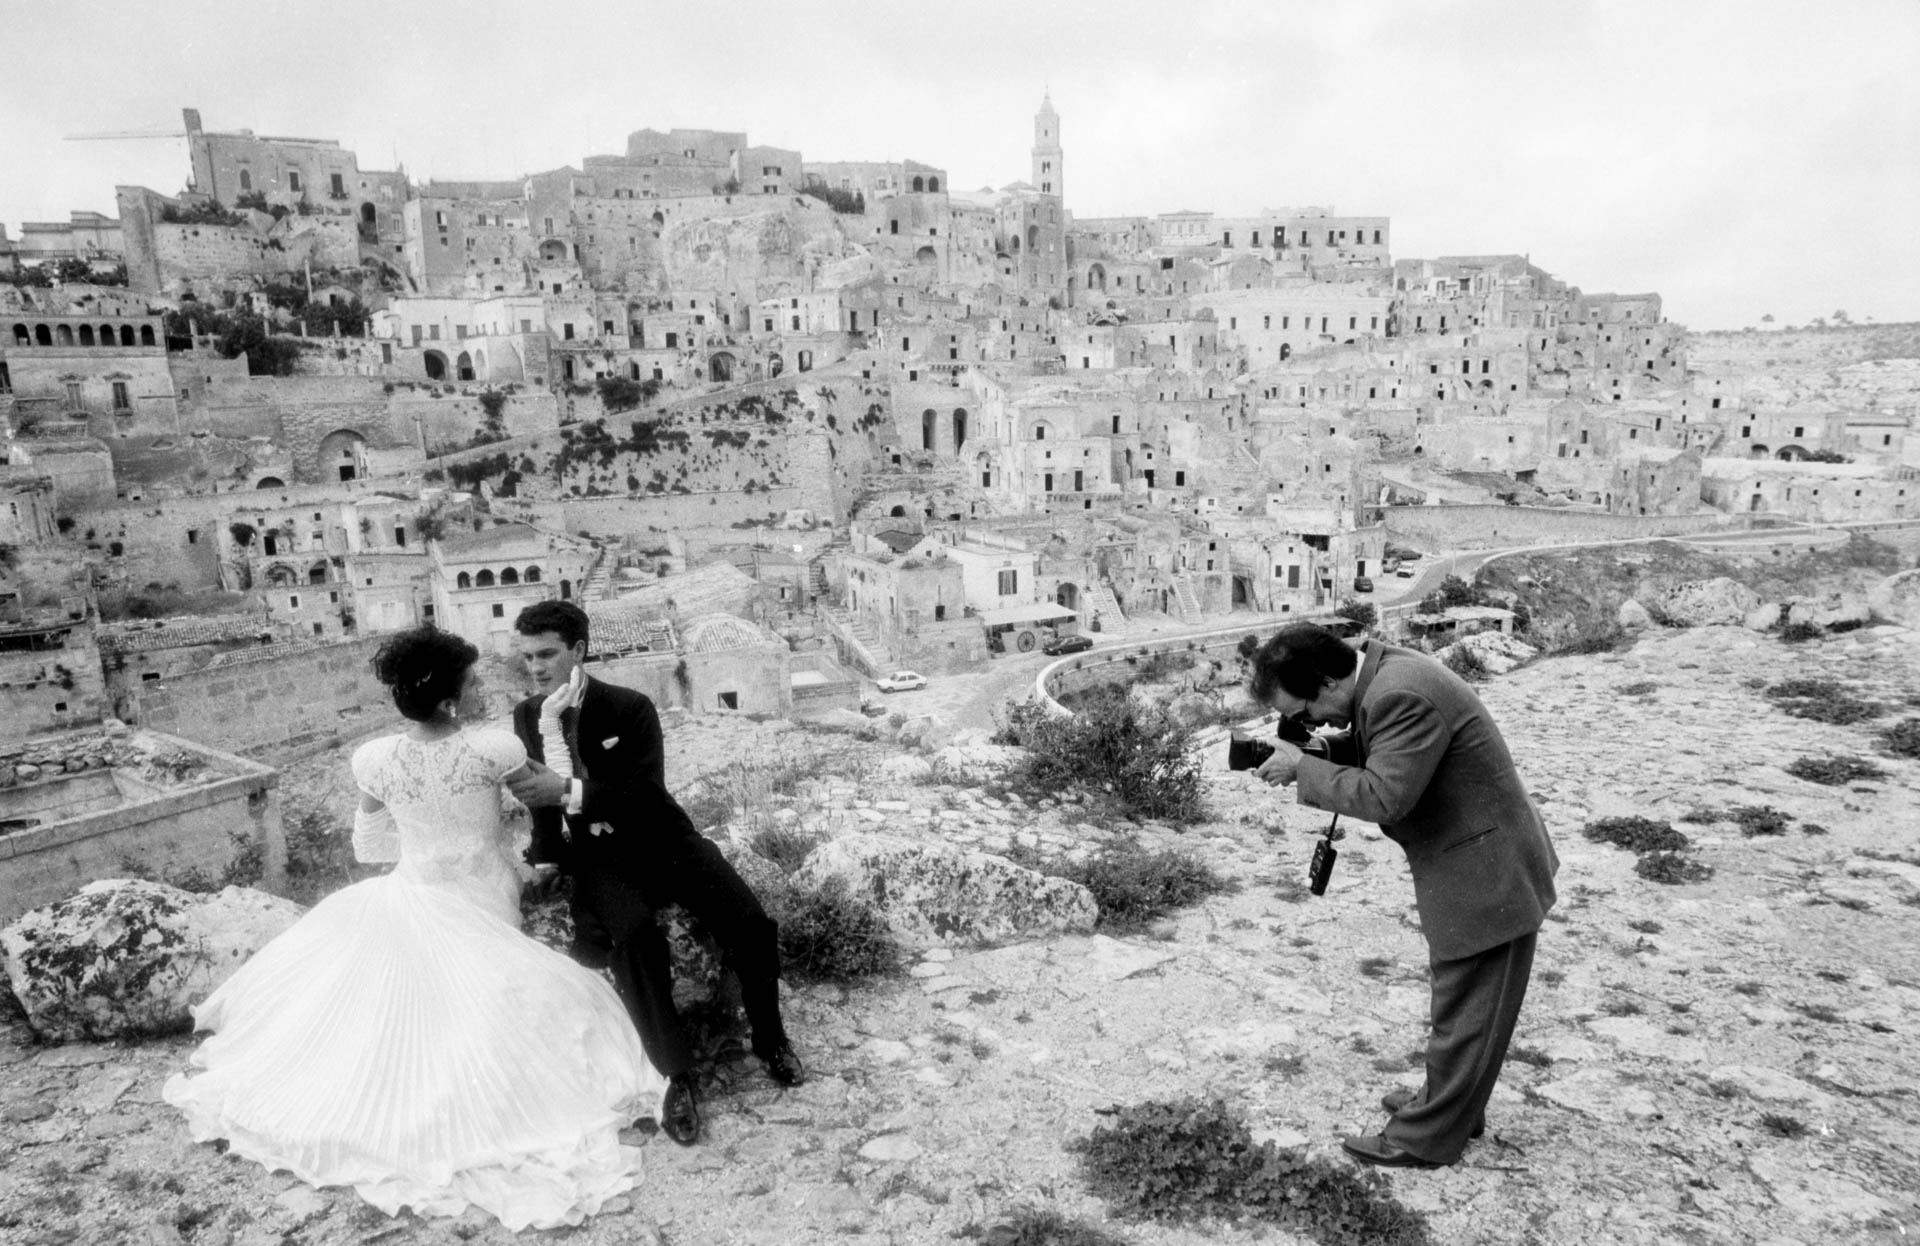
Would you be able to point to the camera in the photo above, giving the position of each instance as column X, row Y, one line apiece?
column 1321, row 869
column 1247, row 753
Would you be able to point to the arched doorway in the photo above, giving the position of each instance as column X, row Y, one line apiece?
column 806, row 361
column 464, row 366
column 919, row 184
column 367, row 215
column 776, row 365
column 270, row 482
column 959, row 428
column 898, row 512
column 1067, row 596
column 1790, row 454
column 1033, row 238
column 1096, row 277
column 926, row 257
column 933, row 185
column 720, row 366
column 927, row 420
column 553, row 251
column 343, row 451
column 436, row 366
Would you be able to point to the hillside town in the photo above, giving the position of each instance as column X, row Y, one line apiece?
column 785, row 426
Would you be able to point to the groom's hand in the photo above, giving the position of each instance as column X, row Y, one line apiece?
column 539, row 788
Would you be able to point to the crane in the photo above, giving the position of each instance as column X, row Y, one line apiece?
column 117, row 135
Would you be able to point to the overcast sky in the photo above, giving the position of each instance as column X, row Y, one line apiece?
column 1739, row 156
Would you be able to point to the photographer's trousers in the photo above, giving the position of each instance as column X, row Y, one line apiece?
column 1476, row 1003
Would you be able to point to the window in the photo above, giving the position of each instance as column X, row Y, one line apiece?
column 293, row 180
column 499, row 610
column 73, row 395
column 121, row 403
column 293, row 601
column 246, row 180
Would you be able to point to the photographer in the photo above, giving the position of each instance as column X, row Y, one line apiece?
column 1429, row 767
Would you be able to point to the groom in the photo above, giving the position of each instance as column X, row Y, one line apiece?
column 630, row 851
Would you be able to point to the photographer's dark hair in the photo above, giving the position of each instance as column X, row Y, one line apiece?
column 424, row 667
column 563, row 618
column 1298, row 659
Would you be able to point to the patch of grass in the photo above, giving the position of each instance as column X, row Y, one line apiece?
column 1374, row 966
column 750, row 788
column 1784, row 1126
column 1799, row 633
column 1465, row 661
column 784, row 846
column 1758, row 820
column 1133, row 887
column 1041, row 1226
column 1530, row 1055
column 1645, row 926
column 1622, row 1008
column 1636, row 834
column 1114, row 747
column 1834, row 771
column 1902, row 739
column 1812, row 828
column 1289, row 1064
column 1748, row 988
column 1188, row 1159
column 1641, row 688
column 1818, row 1012
column 1551, row 977
column 1823, row 700
column 830, row 936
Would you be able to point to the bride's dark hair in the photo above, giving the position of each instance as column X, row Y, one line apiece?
column 423, row 666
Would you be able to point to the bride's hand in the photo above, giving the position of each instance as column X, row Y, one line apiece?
column 566, row 696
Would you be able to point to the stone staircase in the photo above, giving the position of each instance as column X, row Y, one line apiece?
column 878, row 657
column 599, row 581
column 817, row 580
column 1099, row 600
column 1186, row 602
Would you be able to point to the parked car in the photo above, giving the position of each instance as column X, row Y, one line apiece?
column 1404, row 574
column 901, row 681
column 1067, row 644
column 1362, row 584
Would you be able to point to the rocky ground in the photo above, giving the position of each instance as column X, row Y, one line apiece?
column 1726, row 1061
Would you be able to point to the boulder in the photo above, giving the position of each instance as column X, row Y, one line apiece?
column 1897, row 598
column 1842, row 613
column 1633, row 615
column 931, row 894
column 1195, row 709
column 1498, row 652
column 978, row 760
column 1763, row 617
column 123, row 957
column 924, row 732
column 1704, row 603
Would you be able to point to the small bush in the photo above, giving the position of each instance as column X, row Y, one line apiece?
column 1644, row 688
column 830, row 936
column 1464, row 661
column 784, row 846
column 1115, row 747
column 1133, row 887
column 1037, row 1226
column 1190, row 1158
column 1758, row 820
column 1783, row 1126
column 1671, row 868
column 1902, row 739
column 1800, row 633
column 1530, row 1055
column 1636, row 834
column 1833, row 771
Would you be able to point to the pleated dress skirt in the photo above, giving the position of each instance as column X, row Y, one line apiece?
column 402, row 1040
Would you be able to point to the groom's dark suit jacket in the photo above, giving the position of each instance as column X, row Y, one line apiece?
column 617, row 735
column 1435, row 774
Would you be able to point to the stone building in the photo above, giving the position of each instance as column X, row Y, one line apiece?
column 482, row 580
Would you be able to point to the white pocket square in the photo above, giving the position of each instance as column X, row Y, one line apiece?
column 610, row 741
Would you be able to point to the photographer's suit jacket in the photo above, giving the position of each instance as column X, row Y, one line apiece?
column 1434, row 773
column 617, row 734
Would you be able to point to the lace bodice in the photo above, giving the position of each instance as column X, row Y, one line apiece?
column 445, row 799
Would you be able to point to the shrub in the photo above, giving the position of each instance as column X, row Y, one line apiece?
column 1671, row 868
column 1636, row 834
column 1799, row 633
column 784, row 846
column 1823, row 700
column 618, row 393
column 830, row 936
column 1135, row 754
column 1758, row 820
column 1133, row 887
column 1833, row 771
column 1191, row 1158
column 1783, row 1126
column 1464, row 661
column 1036, row 1226
column 1360, row 612
column 1902, row 739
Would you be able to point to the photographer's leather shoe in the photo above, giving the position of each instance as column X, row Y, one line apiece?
column 1376, row 1150
column 783, row 1065
column 1400, row 1097
column 680, row 1110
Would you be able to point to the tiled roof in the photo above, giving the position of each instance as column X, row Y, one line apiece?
column 614, row 625
column 182, row 632
column 718, row 633
column 269, row 653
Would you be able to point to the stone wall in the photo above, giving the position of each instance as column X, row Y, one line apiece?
column 224, row 807
column 645, row 513
column 52, row 689
column 1492, row 527
column 273, row 697
column 190, row 252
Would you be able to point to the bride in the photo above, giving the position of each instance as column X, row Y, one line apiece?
column 404, row 1037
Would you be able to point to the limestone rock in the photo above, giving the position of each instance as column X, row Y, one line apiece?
column 1766, row 1085
column 1703, row 603
column 1194, row 709
column 1497, row 651
column 978, row 760
column 929, row 893
column 123, row 957
column 1603, row 1095
column 1814, row 1194
column 1633, row 615
column 1763, row 617
column 926, row 733
column 1897, row 598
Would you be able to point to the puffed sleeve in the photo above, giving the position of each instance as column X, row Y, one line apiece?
column 503, row 749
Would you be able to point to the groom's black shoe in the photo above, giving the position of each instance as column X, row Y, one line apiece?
column 783, row 1065
column 680, row 1110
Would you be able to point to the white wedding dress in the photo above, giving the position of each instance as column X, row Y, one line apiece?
column 405, row 1038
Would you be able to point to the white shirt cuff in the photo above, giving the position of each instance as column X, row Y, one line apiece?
column 576, row 796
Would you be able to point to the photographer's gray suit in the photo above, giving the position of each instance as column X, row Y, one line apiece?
column 1434, row 773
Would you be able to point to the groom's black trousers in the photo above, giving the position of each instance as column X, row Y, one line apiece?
column 614, row 924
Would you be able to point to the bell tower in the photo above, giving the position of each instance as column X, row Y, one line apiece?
column 1049, row 162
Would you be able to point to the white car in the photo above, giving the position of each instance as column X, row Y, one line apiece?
column 901, row 681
